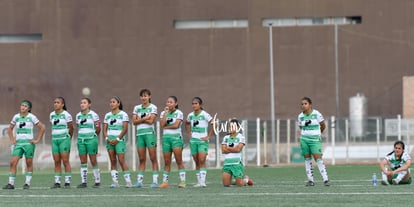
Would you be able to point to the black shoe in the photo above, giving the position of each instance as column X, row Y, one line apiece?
column 97, row 185
column 326, row 183
column 82, row 185
column 8, row 187
column 67, row 185
column 310, row 183
column 26, row 186
column 56, row 185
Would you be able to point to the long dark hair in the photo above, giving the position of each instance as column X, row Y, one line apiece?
column 397, row 143
column 145, row 91
column 119, row 101
column 63, row 101
column 175, row 100
column 199, row 101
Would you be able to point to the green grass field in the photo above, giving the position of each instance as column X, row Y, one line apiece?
column 273, row 186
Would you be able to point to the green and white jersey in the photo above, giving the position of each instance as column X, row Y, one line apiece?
column 60, row 129
column 311, row 129
column 172, row 118
column 233, row 158
column 86, row 124
column 199, row 124
column 115, row 123
column 394, row 163
column 141, row 112
column 24, row 126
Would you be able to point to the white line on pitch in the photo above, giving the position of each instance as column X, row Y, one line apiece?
column 75, row 196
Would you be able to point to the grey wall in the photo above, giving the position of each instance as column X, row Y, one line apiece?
column 117, row 47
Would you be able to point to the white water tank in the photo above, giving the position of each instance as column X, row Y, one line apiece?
column 358, row 115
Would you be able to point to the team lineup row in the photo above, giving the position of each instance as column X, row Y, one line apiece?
column 114, row 128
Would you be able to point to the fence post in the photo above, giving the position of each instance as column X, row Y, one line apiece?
column 399, row 126
column 159, row 146
column 347, row 140
column 258, row 142
column 217, row 124
column 333, row 123
column 265, row 144
column 134, row 145
column 278, row 141
column 378, row 139
column 288, row 140
column 246, row 147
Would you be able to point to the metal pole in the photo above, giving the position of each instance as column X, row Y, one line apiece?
column 258, row 153
column 336, row 73
column 336, row 84
column 272, row 95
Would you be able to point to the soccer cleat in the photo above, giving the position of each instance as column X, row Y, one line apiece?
column 154, row 185
column 97, row 185
column 326, row 183
column 310, row 183
column 164, row 185
column 8, row 187
column 203, row 185
column 198, row 185
column 67, row 185
column 395, row 181
column 26, row 186
column 138, row 185
column 82, row 185
column 56, row 185
column 249, row 181
column 128, row 185
column 383, row 182
column 114, row 185
column 181, row 184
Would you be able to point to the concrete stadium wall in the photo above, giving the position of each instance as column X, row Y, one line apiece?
column 118, row 47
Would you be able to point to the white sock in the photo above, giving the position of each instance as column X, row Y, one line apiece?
column 28, row 177
column 401, row 175
column 114, row 175
column 68, row 178
column 308, row 168
column 155, row 177
column 57, row 178
column 203, row 176
column 384, row 177
column 165, row 177
column 127, row 176
column 140, row 177
column 182, row 175
column 84, row 173
column 198, row 177
column 97, row 175
column 322, row 169
column 11, row 180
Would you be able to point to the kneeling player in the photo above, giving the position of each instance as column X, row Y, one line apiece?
column 231, row 148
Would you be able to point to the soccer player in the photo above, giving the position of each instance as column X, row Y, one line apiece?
column 143, row 117
column 312, row 124
column 231, row 148
column 172, row 141
column 395, row 167
column 197, row 127
column 114, row 130
column 62, row 132
column 23, row 143
column 89, row 127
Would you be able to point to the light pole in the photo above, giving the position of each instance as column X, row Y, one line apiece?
column 336, row 73
column 272, row 93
